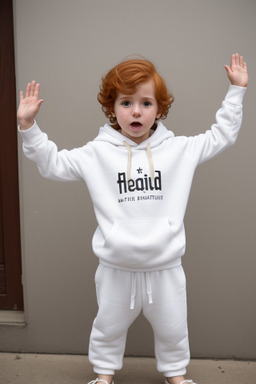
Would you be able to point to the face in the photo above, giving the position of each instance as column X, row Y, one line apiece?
column 136, row 113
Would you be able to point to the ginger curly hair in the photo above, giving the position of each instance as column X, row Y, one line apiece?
column 124, row 78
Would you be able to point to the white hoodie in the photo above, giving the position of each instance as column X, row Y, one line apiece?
column 139, row 191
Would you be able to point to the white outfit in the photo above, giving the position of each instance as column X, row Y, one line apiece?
column 140, row 194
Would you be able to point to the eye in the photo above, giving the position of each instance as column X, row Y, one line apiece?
column 147, row 103
column 126, row 103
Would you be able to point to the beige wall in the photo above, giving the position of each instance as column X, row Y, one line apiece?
column 67, row 46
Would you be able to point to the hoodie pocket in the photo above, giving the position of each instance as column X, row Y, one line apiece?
column 144, row 243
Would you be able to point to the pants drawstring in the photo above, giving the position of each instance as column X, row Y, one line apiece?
column 149, row 287
column 133, row 291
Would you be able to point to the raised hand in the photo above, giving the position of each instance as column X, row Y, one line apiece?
column 237, row 72
column 29, row 105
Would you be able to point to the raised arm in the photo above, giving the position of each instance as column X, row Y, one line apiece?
column 53, row 164
column 224, row 131
column 29, row 106
column 237, row 71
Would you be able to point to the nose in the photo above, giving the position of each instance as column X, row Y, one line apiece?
column 136, row 110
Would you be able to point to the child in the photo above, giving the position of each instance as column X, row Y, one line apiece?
column 145, row 173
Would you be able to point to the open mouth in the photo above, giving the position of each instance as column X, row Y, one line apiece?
column 136, row 124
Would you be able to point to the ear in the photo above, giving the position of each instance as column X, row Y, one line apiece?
column 112, row 111
column 158, row 115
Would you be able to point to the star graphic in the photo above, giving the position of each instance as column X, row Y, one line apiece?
column 139, row 170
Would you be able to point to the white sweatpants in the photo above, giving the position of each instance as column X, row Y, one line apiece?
column 121, row 296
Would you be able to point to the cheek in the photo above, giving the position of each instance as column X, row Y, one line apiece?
column 121, row 115
column 155, row 115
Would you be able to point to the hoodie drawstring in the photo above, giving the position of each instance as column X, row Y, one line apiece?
column 129, row 161
column 150, row 161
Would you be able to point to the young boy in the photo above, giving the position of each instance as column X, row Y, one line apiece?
column 145, row 173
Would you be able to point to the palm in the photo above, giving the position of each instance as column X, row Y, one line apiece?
column 237, row 72
column 30, row 104
column 28, row 108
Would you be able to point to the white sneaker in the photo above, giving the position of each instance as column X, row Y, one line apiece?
column 187, row 381
column 183, row 382
column 99, row 381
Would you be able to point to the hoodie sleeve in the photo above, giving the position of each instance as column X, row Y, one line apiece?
column 52, row 164
column 224, row 132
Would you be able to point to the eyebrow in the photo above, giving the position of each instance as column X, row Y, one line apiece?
column 130, row 96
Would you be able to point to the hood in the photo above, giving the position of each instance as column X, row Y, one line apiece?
column 110, row 135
